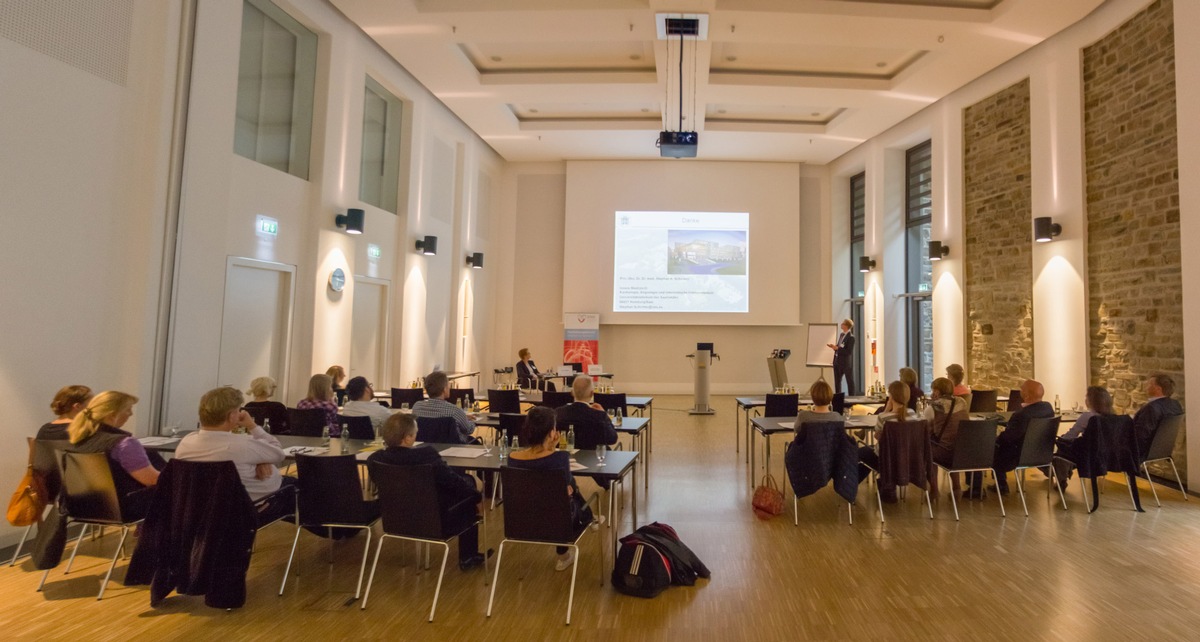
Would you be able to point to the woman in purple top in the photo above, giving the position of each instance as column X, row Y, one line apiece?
column 320, row 396
column 97, row 429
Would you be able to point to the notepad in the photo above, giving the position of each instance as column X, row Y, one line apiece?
column 158, row 441
column 467, row 453
column 786, row 424
column 577, row 466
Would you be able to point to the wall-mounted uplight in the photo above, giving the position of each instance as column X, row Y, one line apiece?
column 865, row 263
column 352, row 220
column 1045, row 229
column 427, row 245
column 937, row 251
column 475, row 260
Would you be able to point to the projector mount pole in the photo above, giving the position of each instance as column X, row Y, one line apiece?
column 680, row 80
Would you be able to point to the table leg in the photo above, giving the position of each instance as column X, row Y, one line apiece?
column 650, row 429
column 613, row 522
column 767, row 456
column 646, row 472
column 737, row 431
column 753, row 464
column 633, row 490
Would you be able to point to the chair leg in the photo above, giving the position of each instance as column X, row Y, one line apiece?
column 996, row 478
column 953, row 501
column 495, row 577
column 571, row 596
column 287, row 569
column 796, row 510
column 1054, row 482
column 929, row 503
column 879, row 498
column 21, row 543
column 76, row 549
column 1151, row 482
column 371, row 578
column 362, row 569
column 1130, row 480
column 1087, row 503
column 438, row 591
column 1019, row 478
column 113, row 564
column 1177, row 480
column 850, row 511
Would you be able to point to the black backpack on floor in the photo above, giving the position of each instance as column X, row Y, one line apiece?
column 652, row 558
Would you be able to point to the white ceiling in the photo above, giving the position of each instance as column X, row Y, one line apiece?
column 775, row 80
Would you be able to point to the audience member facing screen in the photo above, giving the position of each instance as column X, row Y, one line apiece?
column 956, row 374
column 68, row 402
column 909, row 377
column 822, row 399
column 98, row 429
column 337, row 375
column 320, row 396
column 263, row 409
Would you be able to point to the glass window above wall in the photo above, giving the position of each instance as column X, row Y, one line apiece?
column 379, row 172
column 276, row 77
column 858, row 230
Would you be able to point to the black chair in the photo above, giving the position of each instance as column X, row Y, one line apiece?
column 551, row 399
column 577, row 366
column 437, row 430
column 782, row 405
column 504, row 401
column 839, row 402
column 826, row 454
column 537, row 511
column 408, row 504
column 330, row 496
column 410, row 396
column 43, row 456
column 89, row 497
column 359, row 427
column 339, row 397
column 278, row 424
column 457, row 394
column 1037, row 451
column 1105, row 446
column 983, row 400
column 612, row 401
column 913, row 437
column 1014, row 401
column 306, row 422
column 974, row 451
column 513, row 423
column 1162, row 447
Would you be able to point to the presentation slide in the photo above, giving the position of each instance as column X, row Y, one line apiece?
column 681, row 262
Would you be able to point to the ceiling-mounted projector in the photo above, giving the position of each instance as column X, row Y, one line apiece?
column 678, row 144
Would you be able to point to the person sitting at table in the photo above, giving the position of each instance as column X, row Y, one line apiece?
column 98, row 429
column 822, row 399
column 896, row 409
column 1009, row 442
column 1159, row 406
column 68, row 402
column 457, row 496
column 256, row 457
column 915, row 394
column 361, row 396
column 262, row 389
column 541, row 453
column 528, row 375
column 956, row 374
column 437, row 387
column 320, row 397
column 945, row 411
column 337, row 375
column 1098, row 402
column 592, row 425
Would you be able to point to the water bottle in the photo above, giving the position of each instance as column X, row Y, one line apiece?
column 516, row 444
column 1056, row 405
column 571, row 438
column 620, row 416
column 345, row 433
column 267, row 425
column 503, row 445
column 562, row 436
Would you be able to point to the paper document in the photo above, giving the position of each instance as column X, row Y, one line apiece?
column 292, row 451
column 468, row 453
column 787, row 424
column 577, row 466
column 158, row 441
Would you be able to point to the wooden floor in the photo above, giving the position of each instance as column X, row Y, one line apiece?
column 1065, row 575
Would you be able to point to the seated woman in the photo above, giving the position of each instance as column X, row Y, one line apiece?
column 528, row 375
column 542, row 453
column 822, row 398
column 320, row 396
column 956, row 374
column 263, row 409
column 67, row 403
column 896, row 409
column 97, row 429
column 915, row 394
column 337, row 374
column 948, row 410
column 1098, row 402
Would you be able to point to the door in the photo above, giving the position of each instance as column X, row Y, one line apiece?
column 368, row 334
column 256, row 323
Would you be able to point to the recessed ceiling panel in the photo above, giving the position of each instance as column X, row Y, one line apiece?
column 558, row 56
column 444, row 6
column 797, row 58
column 810, row 5
column 558, row 111
column 771, row 113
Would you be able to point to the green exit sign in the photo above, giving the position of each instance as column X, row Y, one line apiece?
column 266, row 226
column 373, row 251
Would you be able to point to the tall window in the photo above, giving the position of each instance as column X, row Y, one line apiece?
column 380, row 170
column 276, row 74
column 918, row 199
column 858, row 233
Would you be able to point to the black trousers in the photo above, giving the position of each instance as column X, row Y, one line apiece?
column 843, row 370
column 458, row 517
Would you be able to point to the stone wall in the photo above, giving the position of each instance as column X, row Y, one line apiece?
column 999, row 237
column 1134, row 278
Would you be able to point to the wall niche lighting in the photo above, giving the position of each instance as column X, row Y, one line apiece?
column 427, row 245
column 352, row 220
column 865, row 263
column 475, row 260
column 937, row 251
column 1045, row 229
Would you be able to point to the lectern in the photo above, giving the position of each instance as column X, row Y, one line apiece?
column 701, row 363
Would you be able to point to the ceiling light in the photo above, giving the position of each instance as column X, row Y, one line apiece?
column 816, row 113
column 532, row 110
column 635, row 57
column 731, row 58
column 496, row 59
column 881, row 64
column 720, row 111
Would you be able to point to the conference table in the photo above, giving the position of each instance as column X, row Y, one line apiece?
column 640, row 404
column 747, row 404
column 767, row 426
column 617, row 464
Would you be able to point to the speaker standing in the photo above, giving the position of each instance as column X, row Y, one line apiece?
column 843, row 358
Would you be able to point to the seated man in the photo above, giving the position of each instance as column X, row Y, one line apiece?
column 1009, row 442
column 256, row 456
column 437, row 386
column 361, row 402
column 1159, row 406
column 592, row 426
column 457, row 496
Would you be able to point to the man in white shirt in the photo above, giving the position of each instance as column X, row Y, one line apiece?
column 256, row 455
column 362, row 402
column 437, row 386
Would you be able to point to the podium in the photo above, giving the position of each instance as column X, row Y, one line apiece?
column 701, row 363
column 777, row 368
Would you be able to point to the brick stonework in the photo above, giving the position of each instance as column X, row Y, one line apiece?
column 1135, row 286
column 999, row 236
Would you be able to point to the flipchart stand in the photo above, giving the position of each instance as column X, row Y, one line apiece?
column 701, row 363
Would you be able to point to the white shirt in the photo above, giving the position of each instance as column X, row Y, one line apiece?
column 376, row 412
column 245, row 451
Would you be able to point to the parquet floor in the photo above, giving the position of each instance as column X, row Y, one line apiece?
column 1060, row 575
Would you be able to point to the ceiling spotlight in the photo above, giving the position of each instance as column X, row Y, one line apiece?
column 731, row 58
column 496, row 59
column 720, row 111
column 352, row 220
column 881, row 64
column 533, row 110
column 635, row 57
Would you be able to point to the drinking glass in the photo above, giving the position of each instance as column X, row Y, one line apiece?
column 325, row 435
column 173, row 431
column 601, row 451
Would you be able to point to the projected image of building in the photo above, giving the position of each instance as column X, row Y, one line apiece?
column 706, row 252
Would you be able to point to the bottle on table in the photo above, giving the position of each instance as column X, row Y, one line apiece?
column 516, row 444
column 503, row 445
column 267, row 425
column 345, row 434
column 562, row 436
column 571, row 438
column 1057, row 407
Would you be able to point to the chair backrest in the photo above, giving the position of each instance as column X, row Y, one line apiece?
column 259, row 414
column 408, row 500
column 46, row 462
column 975, row 446
column 410, row 396
column 88, row 490
column 1014, row 401
column 839, row 402
column 1038, row 447
column 983, row 400
column 306, row 422
column 359, row 427
column 782, row 405
column 820, row 442
column 556, row 399
column 339, row 397
column 577, row 366
column 330, row 491
column 612, row 401
column 462, row 393
column 504, row 401
column 1162, row 445
column 536, row 505
column 513, row 423
column 437, row 430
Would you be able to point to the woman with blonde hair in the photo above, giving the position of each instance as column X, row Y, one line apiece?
column 98, row 429
column 320, row 396
column 263, row 409
column 68, row 402
column 909, row 377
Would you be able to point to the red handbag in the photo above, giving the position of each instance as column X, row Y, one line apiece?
column 768, row 500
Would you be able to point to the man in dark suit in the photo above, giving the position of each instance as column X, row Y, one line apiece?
column 1009, row 442
column 592, row 426
column 528, row 375
column 457, row 495
column 843, row 358
column 1159, row 406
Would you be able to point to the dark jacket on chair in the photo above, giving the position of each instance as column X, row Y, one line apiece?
column 1009, row 442
column 904, row 455
column 592, row 427
column 822, row 451
column 453, row 487
column 197, row 535
column 1147, row 419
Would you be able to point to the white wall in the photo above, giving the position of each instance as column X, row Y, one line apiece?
column 1187, row 88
